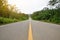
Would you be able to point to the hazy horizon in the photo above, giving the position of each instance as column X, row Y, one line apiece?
column 29, row 6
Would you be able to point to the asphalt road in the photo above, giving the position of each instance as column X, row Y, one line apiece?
column 45, row 31
column 14, row 31
column 40, row 31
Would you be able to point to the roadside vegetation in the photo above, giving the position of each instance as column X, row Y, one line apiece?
column 49, row 14
column 9, row 13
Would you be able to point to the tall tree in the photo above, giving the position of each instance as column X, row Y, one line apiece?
column 53, row 2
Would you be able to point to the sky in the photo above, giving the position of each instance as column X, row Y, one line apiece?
column 29, row 6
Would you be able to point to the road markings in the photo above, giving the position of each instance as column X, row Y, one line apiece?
column 30, row 37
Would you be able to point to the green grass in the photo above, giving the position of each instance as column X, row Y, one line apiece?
column 7, row 20
column 4, row 20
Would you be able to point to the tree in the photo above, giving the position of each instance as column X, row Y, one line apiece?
column 54, row 2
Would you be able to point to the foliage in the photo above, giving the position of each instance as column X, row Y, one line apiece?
column 54, row 3
column 10, row 12
column 51, row 15
column 7, row 20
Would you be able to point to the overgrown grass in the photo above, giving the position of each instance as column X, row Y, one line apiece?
column 7, row 20
column 4, row 20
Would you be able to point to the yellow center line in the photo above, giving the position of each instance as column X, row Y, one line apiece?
column 30, row 32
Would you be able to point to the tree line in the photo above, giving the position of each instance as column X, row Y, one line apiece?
column 51, row 14
column 9, row 13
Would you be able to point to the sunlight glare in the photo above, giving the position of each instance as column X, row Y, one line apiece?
column 29, row 6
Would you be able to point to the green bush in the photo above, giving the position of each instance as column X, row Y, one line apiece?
column 50, row 15
column 7, row 20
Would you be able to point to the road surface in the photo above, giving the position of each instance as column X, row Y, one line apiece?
column 30, row 30
column 14, row 31
column 45, row 31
